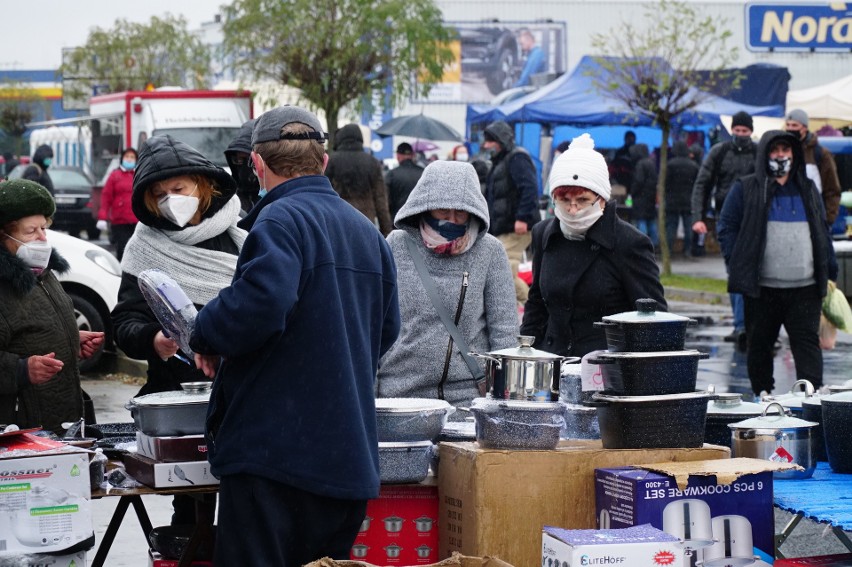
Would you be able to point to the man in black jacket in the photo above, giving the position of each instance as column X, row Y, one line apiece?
column 401, row 180
column 779, row 257
column 680, row 177
column 511, row 190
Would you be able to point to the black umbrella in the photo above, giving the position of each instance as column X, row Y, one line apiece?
column 419, row 126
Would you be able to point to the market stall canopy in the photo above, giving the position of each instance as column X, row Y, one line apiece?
column 574, row 99
column 829, row 101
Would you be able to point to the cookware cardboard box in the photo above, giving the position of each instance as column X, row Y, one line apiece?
column 496, row 502
column 727, row 501
column 45, row 497
column 456, row 560
column 843, row 560
column 639, row 546
column 43, row 560
column 172, row 449
column 401, row 526
column 167, row 475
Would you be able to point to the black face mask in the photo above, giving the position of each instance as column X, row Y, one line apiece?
column 247, row 183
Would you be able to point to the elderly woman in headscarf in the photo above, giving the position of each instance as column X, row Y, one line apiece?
column 587, row 262
column 39, row 339
column 188, row 212
column 444, row 223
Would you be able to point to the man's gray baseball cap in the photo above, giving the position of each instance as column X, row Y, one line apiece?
column 269, row 125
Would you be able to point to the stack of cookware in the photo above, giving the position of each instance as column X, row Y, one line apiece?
column 522, row 410
column 649, row 398
column 581, row 421
column 407, row 429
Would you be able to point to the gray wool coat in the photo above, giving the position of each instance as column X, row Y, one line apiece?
column 489, row 321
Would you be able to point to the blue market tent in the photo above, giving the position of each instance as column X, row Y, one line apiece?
column 574, row 99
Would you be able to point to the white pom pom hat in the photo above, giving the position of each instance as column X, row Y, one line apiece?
column 581, row 166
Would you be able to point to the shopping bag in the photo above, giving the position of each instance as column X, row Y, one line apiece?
column 827, row 333
column 836, row 309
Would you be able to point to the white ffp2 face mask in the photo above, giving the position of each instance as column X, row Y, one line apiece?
column 580, row 222
column 179, row 208
column 35, row 254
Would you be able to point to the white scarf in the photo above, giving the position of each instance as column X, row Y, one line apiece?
column 201, row 273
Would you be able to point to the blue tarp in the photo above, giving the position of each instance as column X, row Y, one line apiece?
column 574, row 99
column 762, row 84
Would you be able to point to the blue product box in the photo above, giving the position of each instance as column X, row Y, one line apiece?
column 721, row 524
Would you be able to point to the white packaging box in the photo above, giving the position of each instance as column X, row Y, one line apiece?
column 638, row 546
column 38, row 560
column 167, row 475
column 45, row 503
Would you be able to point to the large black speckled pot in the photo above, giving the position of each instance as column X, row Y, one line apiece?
column 649, row 373
column 837, row 423
column 645, row 330
column 812, row 411
column 726, row 409
column 652, row 422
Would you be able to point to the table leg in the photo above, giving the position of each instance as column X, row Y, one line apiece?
column 841, row 535
column 205, row 511
column 111, row 531
column 785, row 533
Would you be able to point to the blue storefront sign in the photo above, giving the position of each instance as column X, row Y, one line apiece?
column 822, row 26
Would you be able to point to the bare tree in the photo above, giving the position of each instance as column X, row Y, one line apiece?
column 656, row 73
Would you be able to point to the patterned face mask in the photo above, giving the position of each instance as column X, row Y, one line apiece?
column 779, row 167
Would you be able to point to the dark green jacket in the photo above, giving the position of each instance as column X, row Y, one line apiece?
column 37, row 318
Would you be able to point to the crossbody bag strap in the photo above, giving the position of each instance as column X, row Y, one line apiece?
column 446, row 319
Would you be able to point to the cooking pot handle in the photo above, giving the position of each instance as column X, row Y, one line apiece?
column 493, row 359
column 595, row 360
column 808, row 388
column 570, row 359
column 604, row 324
column 703, row 355
column 782, row 411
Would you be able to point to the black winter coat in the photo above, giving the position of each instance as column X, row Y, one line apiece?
column 680, row 178
column 400, row 181
column 511, row 187
column 643, row 187
column 724, row 164
column 576, row 283
column 36, row 318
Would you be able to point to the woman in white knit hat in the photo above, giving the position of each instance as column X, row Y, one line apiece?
column 587, row 262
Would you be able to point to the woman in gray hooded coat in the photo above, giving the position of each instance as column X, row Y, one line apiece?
column 446, row 217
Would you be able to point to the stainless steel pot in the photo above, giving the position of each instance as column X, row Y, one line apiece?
column 171, row 413
column 734, row 545
column 779, row 438
column 392, row 551
column 523, row 373
column 359, row 550
column 689, row 521
column 423, row 524
column 424, row 551
column 393, row 524
column 365, row 524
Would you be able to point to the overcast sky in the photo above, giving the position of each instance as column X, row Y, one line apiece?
column 35, row 32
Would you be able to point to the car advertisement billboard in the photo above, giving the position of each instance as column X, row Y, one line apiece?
column 807, row 26
column 495, row 57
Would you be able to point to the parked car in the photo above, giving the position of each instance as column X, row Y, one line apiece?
column 73, row 194
column 92, row 282
column 492, row 53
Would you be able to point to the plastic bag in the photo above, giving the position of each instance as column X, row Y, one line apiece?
column 827, row 334
column 836, row 309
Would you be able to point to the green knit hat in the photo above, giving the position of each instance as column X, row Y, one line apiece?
column 21, row 198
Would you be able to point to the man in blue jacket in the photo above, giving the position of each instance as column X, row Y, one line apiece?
column 291, row 427
column 779, row 254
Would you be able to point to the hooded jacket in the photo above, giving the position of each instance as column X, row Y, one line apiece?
column 163, row 157
column 489, row 319
column 643, row 186
column 680, row 178
column 724, row 164
column 577, row 282
column 511, row 189
column 247, row 183
column 357, row 177
column 37, row 171
column 742, row 225
column 36, row 318
column 824, row 162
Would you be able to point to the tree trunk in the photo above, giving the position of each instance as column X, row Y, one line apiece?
column 331, row 113
column 665, row 252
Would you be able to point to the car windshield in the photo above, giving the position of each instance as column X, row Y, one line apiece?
column 69, row 178
column 211, row 142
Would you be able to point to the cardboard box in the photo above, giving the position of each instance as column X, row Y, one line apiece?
column 168, row 475
column 172, row 449
column 157, row 560
column 496, row 502
column 843, row 560
column 42, row 560
column 45, row 498
column 734, row 487
column 401, row 527
column 456, row 560
column 640, row 546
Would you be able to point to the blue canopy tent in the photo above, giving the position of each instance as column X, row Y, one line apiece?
column 574, row 99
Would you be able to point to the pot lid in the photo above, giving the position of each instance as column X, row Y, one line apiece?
column 657, row 398
column 837, row 388
column 732, row 404
column 774, row 421
column 423, row 519
column 815, row 400
column 525, row 351
column 392, row 445
column 572, row 370
column 492, row 405
column 793, row 398
column 839, row 398
column 392, row 405
column 172, row 398
column 646, row 312
column 690, row 353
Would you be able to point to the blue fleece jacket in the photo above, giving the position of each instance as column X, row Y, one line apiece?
column 312, row 308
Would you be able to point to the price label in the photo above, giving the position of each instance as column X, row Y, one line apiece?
column 590, row 374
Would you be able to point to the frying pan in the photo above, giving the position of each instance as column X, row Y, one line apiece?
column 171, row 306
